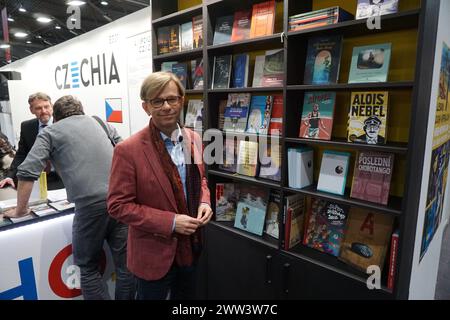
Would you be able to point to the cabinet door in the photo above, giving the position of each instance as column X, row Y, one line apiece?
column 325, row 283
column 238, row 267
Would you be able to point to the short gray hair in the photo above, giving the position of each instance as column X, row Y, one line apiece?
column 39, row 96
column 67, row 106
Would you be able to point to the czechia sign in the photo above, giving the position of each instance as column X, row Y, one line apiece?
column 93, row 71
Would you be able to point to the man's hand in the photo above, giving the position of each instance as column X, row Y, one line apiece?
column 204, row 213
column 185, row 224
column 14, row 213
column 7, row 181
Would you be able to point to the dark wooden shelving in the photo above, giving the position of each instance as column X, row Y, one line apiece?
column 252, row 44
column 329, row 262
column 392, row 22
column 241, row 178
column 263, row 239
column 401, row 148
column 394, row 206
column 178, row 17
column 181, row 55
column 352, row 86
column 247, row 89
column 194, row 91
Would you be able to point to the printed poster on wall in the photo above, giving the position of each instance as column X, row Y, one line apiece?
column 439, row 157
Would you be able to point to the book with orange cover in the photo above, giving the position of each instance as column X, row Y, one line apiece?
column 241, row 25
column 263, row 19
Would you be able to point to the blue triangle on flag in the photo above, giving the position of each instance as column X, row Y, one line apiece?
column 109, row 109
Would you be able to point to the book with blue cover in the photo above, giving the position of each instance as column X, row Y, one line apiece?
column 323, row 60
column 370, row 63
column 259, row 116
column 251, row 209
column 223, row 30
column 240, row 71
column 181, row 71
column 236, row 112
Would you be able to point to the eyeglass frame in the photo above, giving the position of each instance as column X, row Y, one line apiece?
column 164, row 101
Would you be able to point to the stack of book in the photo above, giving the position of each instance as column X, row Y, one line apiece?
column 318, row 18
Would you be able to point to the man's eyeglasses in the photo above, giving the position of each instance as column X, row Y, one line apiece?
column 157, row 103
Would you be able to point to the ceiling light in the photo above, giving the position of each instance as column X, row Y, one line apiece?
column 57, row 27
column 22, row 9
column 4, row 46
column 11, row 19
column 42, row 19
column 104, row 3
column 75, row 3
column 28, row 41
column 39, row 37
column 20, row 34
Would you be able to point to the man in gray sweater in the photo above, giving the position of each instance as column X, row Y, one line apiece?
column 81, row 152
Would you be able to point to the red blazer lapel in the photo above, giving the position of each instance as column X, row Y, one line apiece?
column 154, row 162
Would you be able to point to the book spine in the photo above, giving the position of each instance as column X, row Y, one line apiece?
column 393, row 261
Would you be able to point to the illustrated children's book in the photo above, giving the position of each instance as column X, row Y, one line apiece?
column 317, row 115
column 370, row 63
column 251, row 209
column 325, row 226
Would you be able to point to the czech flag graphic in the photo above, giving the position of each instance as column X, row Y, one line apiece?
column 113, row 108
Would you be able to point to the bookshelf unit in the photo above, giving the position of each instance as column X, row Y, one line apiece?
column 240, row 265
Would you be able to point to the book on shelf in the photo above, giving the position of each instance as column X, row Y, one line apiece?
column 318, row 18
column 323, row 59
column 295, row 220
column 240, row 70
column 271, row 225
column 163, row 39
column 258, row 71
column 236, row 112
column 62, row 205
column 230, row 155
column 367, row 118
column 167, row 66
column 276, row 118
column 366, row 239
column 259, row 115
column 263, row 19
column 393, row 260
column 270, row 161
column 194, row 114
column 187, row 36
column 300, row 167
column 227, row 196
column 241, row 25
column 222, row 106
column 222, row 72
column 370, row 63
column 43, row 210
column 197, row 32
column 325, row 226
column 251, row 209
column 273, row 72
column 333, row 172
column 174, row 38
column 197, row 74
column 247, row 164
column 373, row 8
column 372, row 176
column 223, row 29
column 317, row 115
column 181, row 71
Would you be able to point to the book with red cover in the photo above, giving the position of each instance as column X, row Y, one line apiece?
column 393, row 260
column 263, row 19
column 372, row 176
column 276, row 120
column 241, row 25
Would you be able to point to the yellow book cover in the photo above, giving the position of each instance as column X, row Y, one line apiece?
column 367, row 121
column 43, row 186
column 247, row 158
